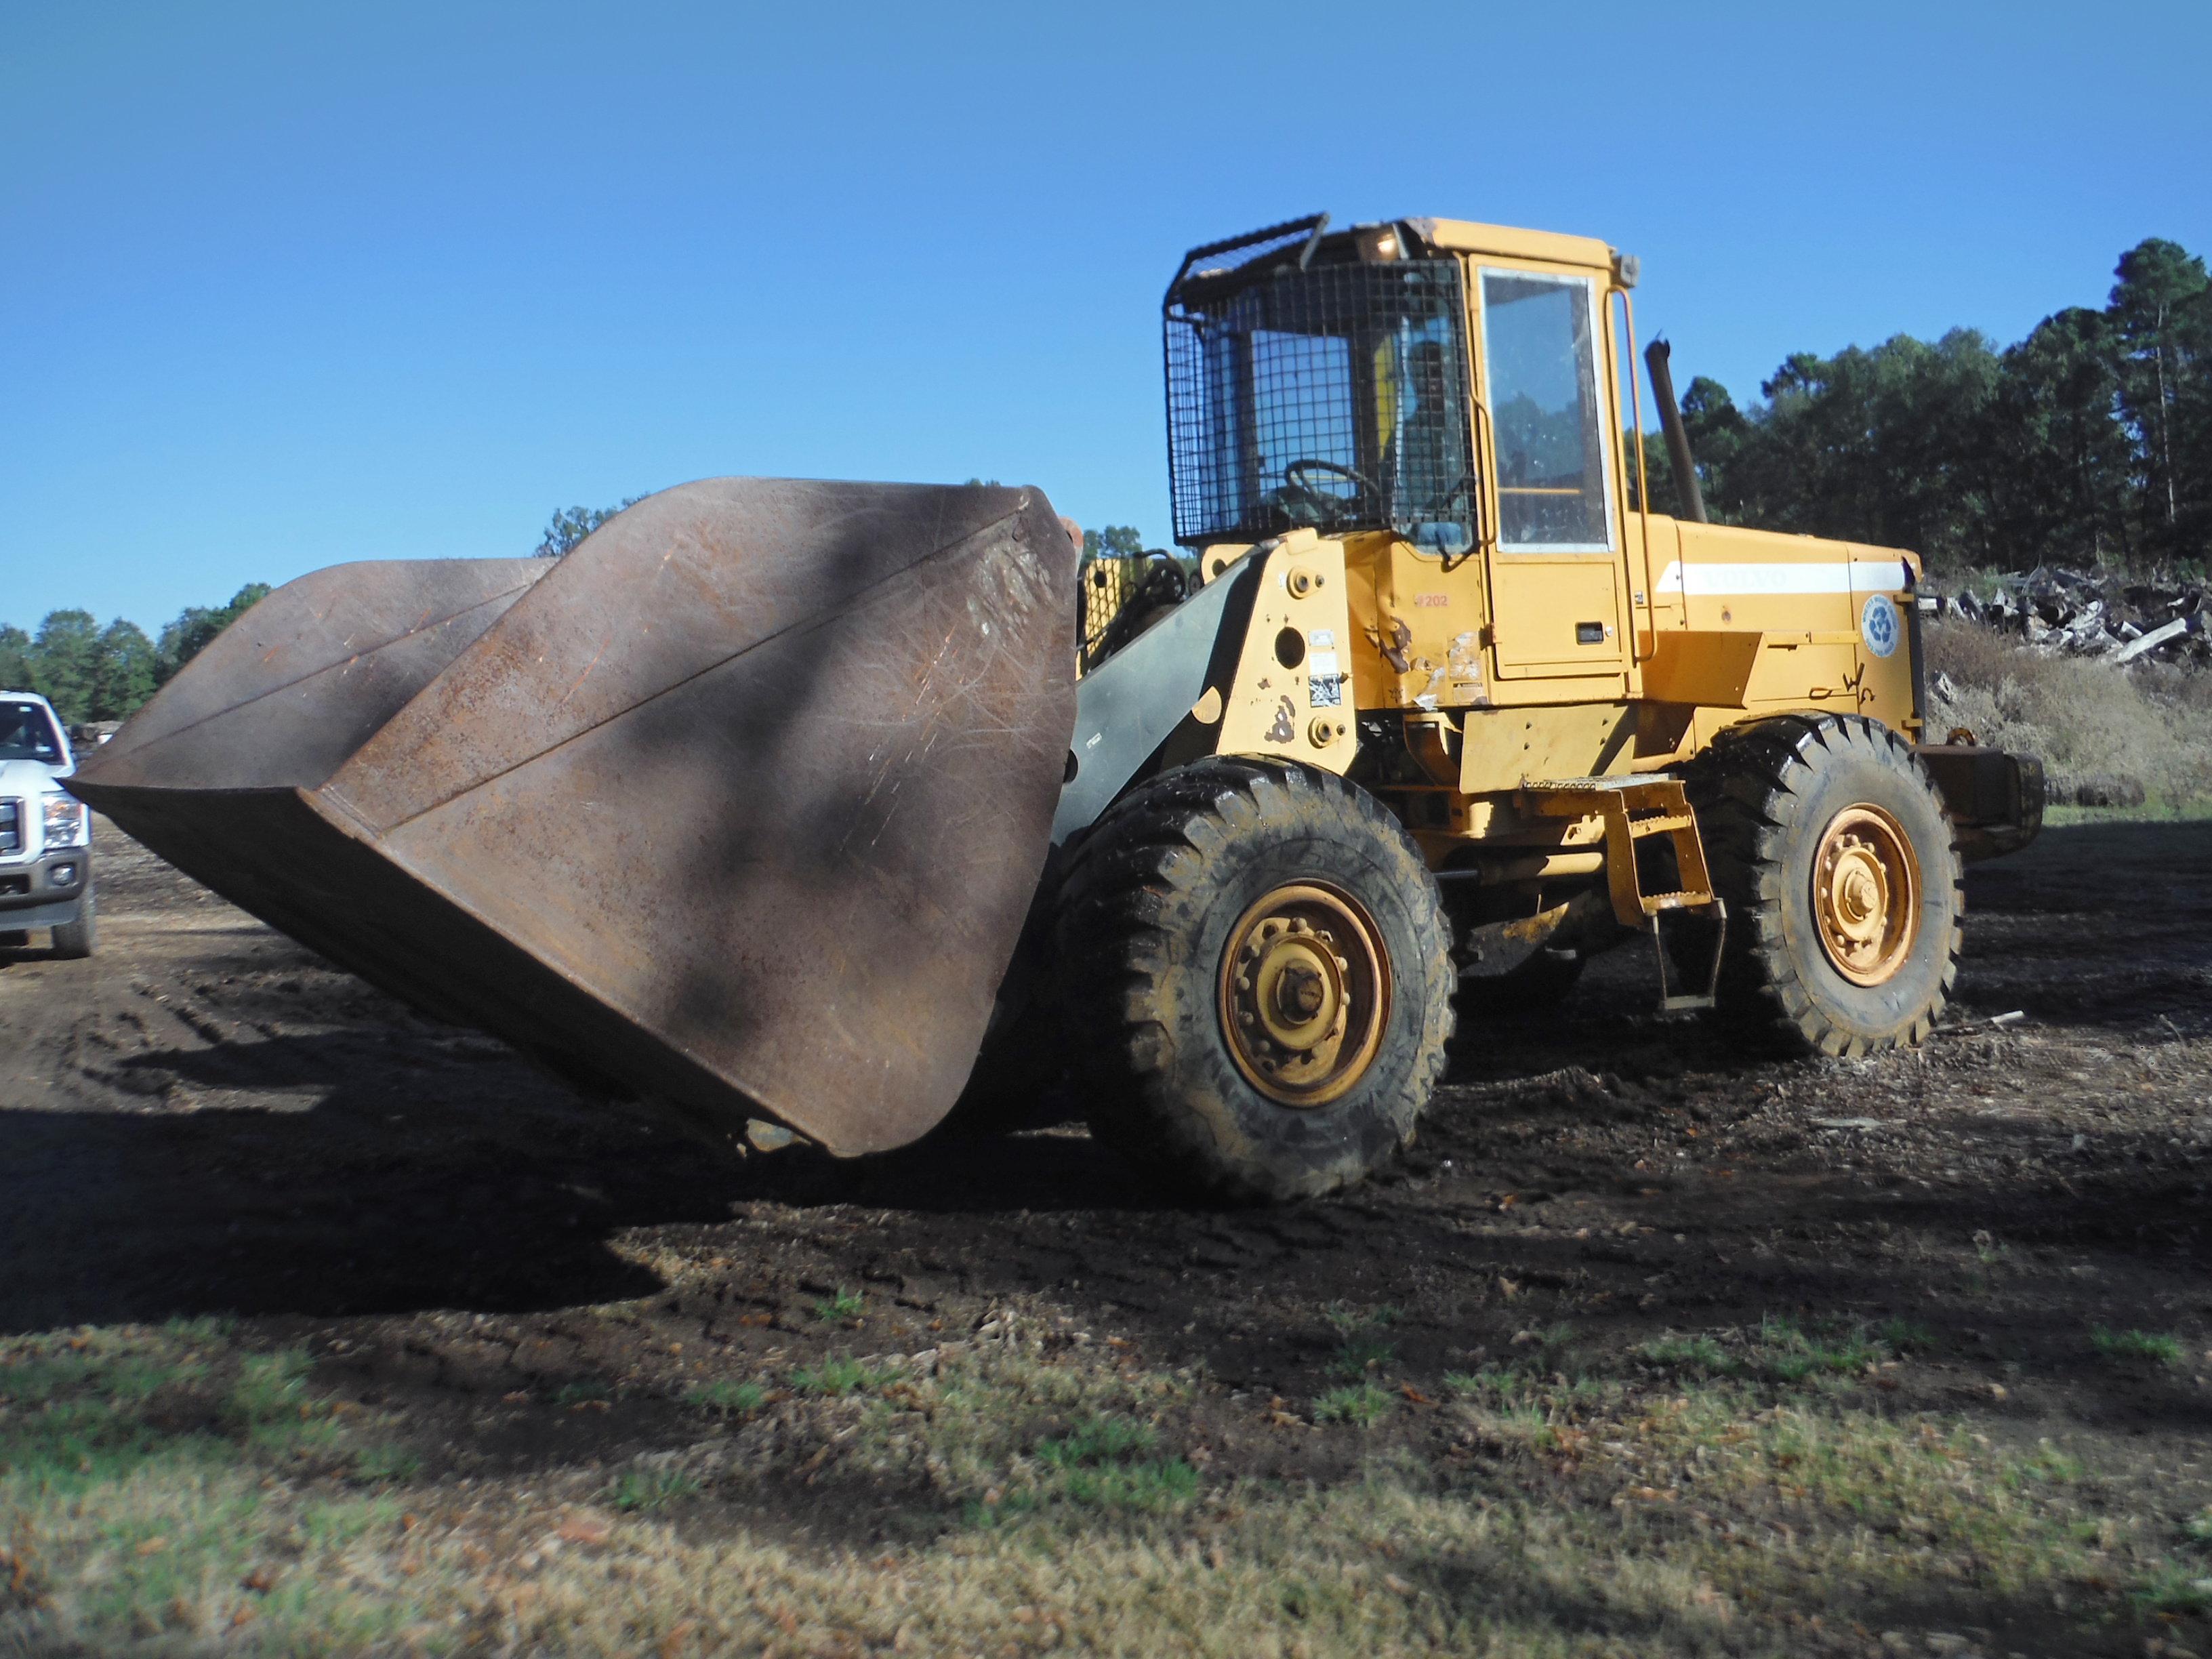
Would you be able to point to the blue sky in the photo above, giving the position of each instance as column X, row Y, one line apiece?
column 284, row 285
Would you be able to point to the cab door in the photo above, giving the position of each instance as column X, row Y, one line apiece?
column 1556, row 603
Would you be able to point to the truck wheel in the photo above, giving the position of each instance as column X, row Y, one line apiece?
column 73, row 940
column 1257, row 980
column 1844, row 891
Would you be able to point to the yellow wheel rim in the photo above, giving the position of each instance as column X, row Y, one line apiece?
column 1305, row 993
column 1866, row 894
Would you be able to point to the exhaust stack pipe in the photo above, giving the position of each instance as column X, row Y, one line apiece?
column 1678, row 435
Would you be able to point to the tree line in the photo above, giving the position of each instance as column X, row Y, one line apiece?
column 2089, row 442
column 93, row 673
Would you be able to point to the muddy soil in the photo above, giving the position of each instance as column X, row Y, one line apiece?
column 205, row 1118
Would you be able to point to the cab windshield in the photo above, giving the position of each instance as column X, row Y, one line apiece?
column 26, row 732
column 1333, row 396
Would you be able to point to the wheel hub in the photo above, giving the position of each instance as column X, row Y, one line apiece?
column 1304, row 992
column 1866, row 894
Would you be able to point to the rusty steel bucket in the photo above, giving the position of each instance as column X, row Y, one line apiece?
column 742, row 803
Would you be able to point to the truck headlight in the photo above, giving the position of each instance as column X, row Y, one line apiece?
column 64, row 821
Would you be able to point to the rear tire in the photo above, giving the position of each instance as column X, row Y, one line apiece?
column 1256, row 980
column 1845, row 890
column 73, row 940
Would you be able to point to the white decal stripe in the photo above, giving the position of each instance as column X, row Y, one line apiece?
column 1729, row 580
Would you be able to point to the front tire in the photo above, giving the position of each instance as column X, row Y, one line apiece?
column 73, row 940
column 1845, row 889
column 1257, row 980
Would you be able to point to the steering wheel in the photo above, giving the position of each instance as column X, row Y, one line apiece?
column 1292, row 476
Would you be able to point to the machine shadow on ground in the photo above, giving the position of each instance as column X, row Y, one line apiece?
column 383, row 1166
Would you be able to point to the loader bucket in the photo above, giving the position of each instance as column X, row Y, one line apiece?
column 742, row 803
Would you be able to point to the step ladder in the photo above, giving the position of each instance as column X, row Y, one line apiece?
column 1635, row 808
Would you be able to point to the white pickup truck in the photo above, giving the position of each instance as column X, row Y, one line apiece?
column 46, row 836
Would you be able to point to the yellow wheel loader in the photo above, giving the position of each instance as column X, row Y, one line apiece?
column 790, row 799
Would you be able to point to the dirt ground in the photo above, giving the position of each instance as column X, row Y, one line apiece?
column 206, row 1120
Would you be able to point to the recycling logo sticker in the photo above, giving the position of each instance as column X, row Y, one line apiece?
column 1879, row 626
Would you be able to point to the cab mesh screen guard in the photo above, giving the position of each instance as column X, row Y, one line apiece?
column 1329, row 394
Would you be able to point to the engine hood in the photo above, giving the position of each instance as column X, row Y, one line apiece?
column 29, row 777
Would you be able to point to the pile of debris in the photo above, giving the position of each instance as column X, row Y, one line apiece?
column 2089, row 614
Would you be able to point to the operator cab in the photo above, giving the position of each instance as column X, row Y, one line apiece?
column 1450, row 386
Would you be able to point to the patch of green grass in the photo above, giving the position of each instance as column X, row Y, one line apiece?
column 1096, row 1465
column 1790, row 1355
column 1691, row 1353
column 2198, row 1527
column 132, row 1380
column 725, row 1398
column 846, row 1304
column 838, row 1378
column 1902, row 1333
column 583, row 1391
column 1092, row 1531
column 145, row 1474
column 2173, row 1587
column 269, row 1386
column 387, row 1465
column 646, row 1491
column 1513, row 1387
column 1502, row 1384
column 69, row 1446
column 2046, row 1465
column 1148, row 1486
column 267, row 1401
column 1362, row 1403
column 2123, row 1346
column 1358, row 1355
column 1101, row 1440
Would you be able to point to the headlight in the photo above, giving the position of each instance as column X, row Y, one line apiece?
column 64, row 821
